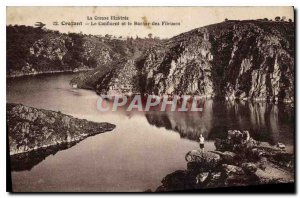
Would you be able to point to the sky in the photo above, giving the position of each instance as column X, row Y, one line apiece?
column 188, row 17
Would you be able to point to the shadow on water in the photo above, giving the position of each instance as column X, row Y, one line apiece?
column 26, row 161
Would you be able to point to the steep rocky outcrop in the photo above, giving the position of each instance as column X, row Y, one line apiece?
column 120, row 75
column 240, row 59
column 238, row 160
column 31, row 129
column 250, row 59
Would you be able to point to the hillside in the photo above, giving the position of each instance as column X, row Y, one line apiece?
column 234, row 59
column 33, row 50
column 251, row 59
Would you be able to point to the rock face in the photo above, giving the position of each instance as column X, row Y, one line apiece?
column 233, row 60
column 31, row 129
column 242, row 59
column 238, row 161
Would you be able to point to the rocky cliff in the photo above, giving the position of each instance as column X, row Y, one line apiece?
column 31, row 129
column 234, row 59
column 119, row 75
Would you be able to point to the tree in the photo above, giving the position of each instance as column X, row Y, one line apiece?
column 40, row 25
column 277, row 18
column 108, row 36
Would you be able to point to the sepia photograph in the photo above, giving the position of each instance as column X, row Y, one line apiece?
column 150, row 99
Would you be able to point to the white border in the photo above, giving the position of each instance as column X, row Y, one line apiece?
column 5, row 3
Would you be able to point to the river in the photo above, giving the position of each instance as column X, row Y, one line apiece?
column 143, row 148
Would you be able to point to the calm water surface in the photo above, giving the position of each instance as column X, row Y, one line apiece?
column 143, row 148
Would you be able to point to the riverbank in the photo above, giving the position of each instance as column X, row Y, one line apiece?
column 238, row 160
column 21, row 74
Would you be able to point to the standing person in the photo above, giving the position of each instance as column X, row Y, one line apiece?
column 201, row 143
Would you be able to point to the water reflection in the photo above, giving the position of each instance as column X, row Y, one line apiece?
column 266, row 122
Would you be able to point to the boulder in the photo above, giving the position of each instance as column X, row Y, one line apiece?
column 201, row 177
column 263, row 163
column 231, row 169
column 249, row 167
column 207, row 160
column 176, row 181
column 236, row 141
column 236, row 176
column 214, row 180
column 280, row 145
column 227, row 157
